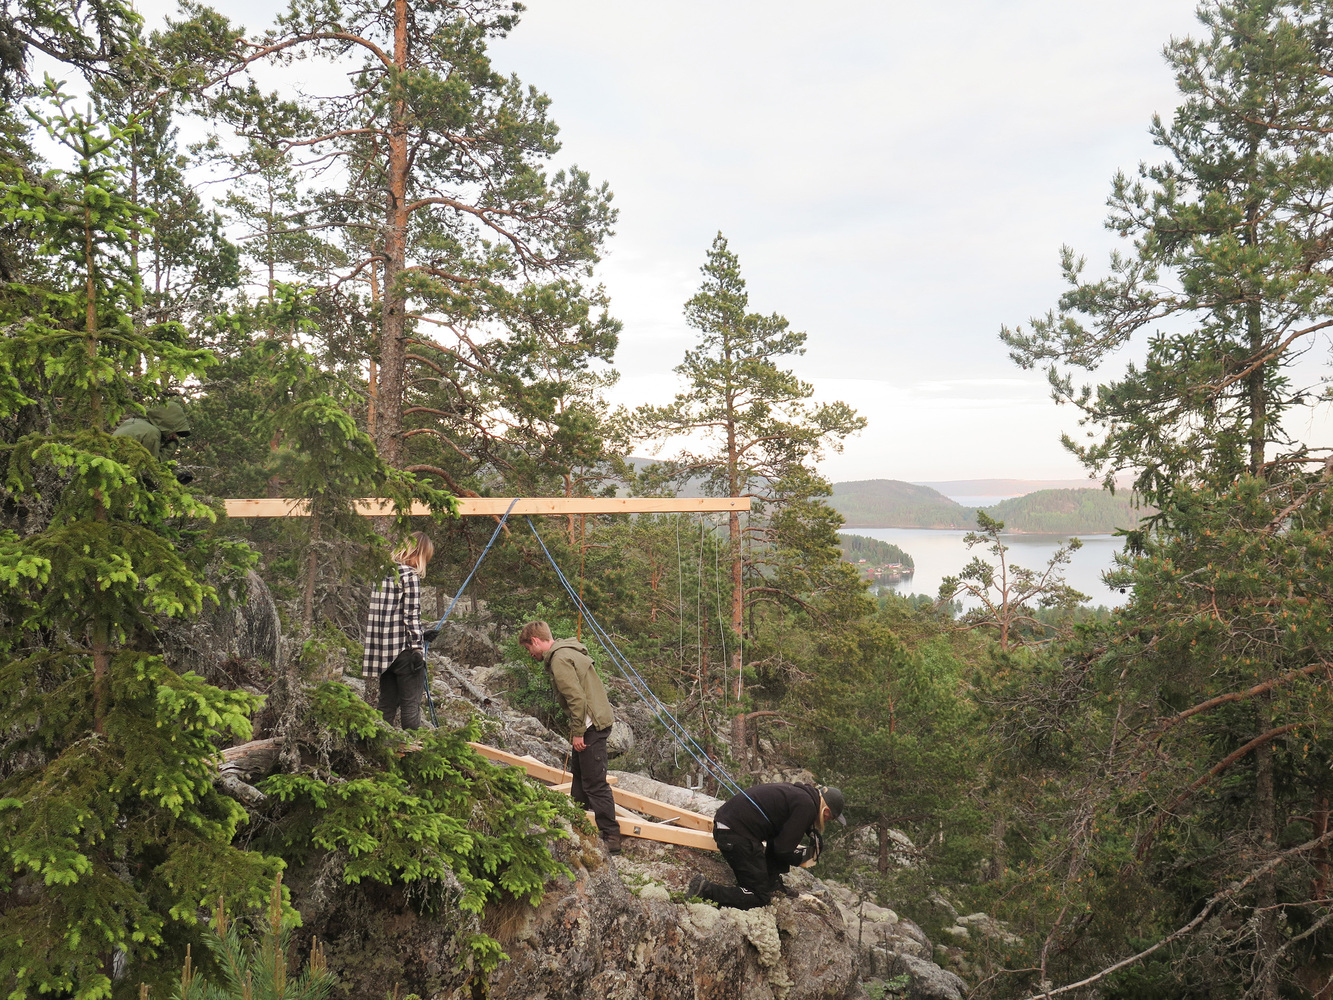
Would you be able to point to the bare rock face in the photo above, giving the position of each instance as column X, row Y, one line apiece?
column 233, row 643
column 467, row 645
column 596, row 939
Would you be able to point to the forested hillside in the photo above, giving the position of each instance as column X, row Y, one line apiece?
column 1069, row 512
column 390, row 290
column 888, row 503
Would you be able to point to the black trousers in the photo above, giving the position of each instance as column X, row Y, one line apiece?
column 402, row 694
column 757, row 873
column 589, row 787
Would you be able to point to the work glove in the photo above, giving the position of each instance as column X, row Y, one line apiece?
column 808, row 854
column 430, row 634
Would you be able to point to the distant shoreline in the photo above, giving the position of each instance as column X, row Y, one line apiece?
column 1034, row 534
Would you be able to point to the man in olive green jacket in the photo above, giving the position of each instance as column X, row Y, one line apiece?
column 164, row 424
column 581, row 694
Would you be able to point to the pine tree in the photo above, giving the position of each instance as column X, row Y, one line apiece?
column 449, row 212
column 1226, row 279
column 762, row 436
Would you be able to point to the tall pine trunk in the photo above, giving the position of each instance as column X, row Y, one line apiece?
column 393, row 328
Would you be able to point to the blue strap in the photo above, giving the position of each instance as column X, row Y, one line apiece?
column 425, row 646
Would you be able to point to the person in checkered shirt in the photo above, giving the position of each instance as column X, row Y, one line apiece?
column 394, row 634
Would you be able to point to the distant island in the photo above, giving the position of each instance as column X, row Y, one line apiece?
column 891, row 503
column 877, row 561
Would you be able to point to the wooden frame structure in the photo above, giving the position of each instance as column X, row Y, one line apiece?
column 670, row 824
column 496, row 506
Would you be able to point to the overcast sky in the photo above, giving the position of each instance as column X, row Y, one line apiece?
column 896, row 178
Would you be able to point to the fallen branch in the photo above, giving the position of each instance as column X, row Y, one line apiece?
column 1181, row 932
column 248, row 761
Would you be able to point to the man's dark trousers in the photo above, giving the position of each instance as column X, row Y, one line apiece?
column 589, row 787
column 757, row 873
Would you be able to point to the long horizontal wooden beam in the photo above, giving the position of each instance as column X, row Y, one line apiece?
column 492, row 506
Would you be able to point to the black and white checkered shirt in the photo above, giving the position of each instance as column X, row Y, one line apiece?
column 394, row 620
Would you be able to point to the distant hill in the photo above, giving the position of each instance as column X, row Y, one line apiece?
column 1068, row 512
column 890, row 503
column 1006, row 487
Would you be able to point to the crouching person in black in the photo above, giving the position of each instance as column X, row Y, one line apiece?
column 760, row 833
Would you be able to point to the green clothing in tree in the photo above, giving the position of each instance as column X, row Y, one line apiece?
column 151, row 431
column 577, row 686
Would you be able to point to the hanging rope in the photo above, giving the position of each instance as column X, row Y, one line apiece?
column 425, row 646
column 640, row 686
column 636, row 681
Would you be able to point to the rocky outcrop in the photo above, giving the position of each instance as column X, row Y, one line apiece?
column 620, row 928
column 598, row 939
column 235, row 643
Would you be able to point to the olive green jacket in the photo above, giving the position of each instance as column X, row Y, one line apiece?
column 161, row 421
column 577, row 686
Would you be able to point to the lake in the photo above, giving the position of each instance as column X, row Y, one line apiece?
column 938, row 553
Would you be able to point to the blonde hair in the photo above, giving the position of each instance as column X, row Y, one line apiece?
column 415, row 552
column 534, row 630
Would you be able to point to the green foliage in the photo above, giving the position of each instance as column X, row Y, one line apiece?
column 112, row 834
column 255, row 970
column 892, row 727
column 1224, row 279
column 1007, row 597
column 420, row 809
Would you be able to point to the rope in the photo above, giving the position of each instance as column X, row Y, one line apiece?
column 673, row 725
column 641, row 688
column 425, row 646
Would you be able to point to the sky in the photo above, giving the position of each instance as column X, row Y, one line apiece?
column 896, row 179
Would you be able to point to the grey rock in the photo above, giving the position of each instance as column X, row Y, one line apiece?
column 621, row 739
column 232, row 644
column 467, row 645
column 929, row 981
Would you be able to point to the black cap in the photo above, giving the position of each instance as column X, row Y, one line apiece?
column 833, row 799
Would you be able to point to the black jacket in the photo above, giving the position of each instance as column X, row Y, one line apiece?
column 780, row 813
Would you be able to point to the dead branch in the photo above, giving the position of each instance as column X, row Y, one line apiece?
column 1233, row 889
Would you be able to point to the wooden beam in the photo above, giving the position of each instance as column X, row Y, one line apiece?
column 664, row 834
column 495, row 506
column 687, row 829
column 662, row 810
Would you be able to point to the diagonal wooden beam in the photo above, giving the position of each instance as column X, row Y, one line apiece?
column 685, row 828
column 493, row 506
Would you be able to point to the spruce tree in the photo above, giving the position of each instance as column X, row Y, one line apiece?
column 112, row 833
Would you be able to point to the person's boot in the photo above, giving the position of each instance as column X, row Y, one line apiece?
column 612, row 842
column 696, row 886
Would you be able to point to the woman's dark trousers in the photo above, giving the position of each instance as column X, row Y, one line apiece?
column 589, row 787
column 399, row 693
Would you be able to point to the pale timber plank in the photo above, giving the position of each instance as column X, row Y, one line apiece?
column 688, row 829
column 493, row 506
column 664, row 834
